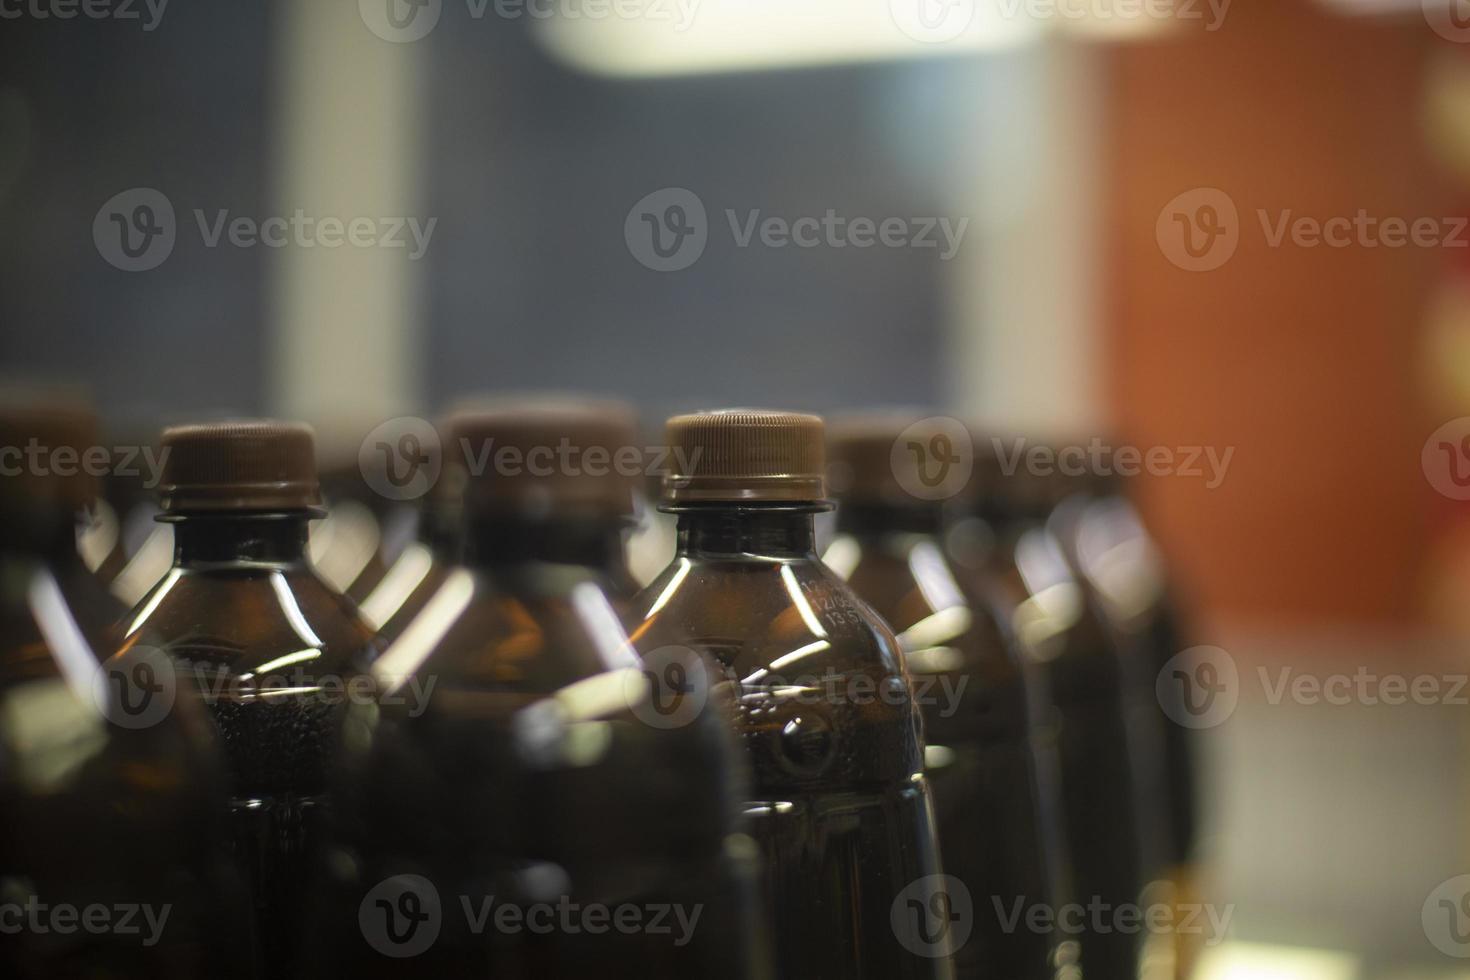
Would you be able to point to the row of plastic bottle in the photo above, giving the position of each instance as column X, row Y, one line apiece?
column 904, row 758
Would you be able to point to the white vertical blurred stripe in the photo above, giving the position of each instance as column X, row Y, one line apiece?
column 1026, row 289
column 346, row 114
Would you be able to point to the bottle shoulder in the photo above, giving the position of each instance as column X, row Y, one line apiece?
column 766, row 615
column 243, row 618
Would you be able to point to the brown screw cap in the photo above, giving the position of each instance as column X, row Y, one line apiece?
column 245, row 465
column 745, row 455
column 863, row 470
column 537, row 458
column 48, row 453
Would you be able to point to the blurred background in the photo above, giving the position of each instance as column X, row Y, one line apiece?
column 1220, row 227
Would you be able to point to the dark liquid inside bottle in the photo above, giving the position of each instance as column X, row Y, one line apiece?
column 1000, row 831
column 1087, row 688
column 110, row 864
column 271, row 649
column 839, row 803
column 532, row 780
column 1127, row 583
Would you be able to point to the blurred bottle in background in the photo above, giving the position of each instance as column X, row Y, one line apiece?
column 110, row 796
column 998, row 809
column 840, row 805
column 523, row 755
column 1008, row 540
column 421, row 565
column 124, row 545
column 364, row 532
column 651, row 543
column 1127, row 580
column 266, row 641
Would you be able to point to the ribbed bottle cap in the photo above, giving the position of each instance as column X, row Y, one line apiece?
column 743, row 454
column 543, row 457
column 242, row 465
column 49, row 453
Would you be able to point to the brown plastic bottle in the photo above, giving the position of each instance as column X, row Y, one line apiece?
column 420, row 567
column 109, row 795
column 840, row 804
column 995, row 787
column 124, row 545
column 1062, row 629
column 1126, row 578
column 518, row 760
column 268, row 644
column 363, row 533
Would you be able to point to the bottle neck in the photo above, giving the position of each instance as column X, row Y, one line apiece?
column 267, row 538
column 40, row 536
column 498, row 541
column 709, row 530
column 865, row 520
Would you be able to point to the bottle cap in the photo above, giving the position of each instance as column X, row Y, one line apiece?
column 745, row 455
column 545, row 457
column 248, row 465
column 48, row 453
column 864, row 469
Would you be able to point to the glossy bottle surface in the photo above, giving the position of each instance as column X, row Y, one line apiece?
column 516, row 767
column 839, row 803
column 110, row 857
column 1085, row 683
column 1128, row 583
column 272, row 651
column 1000, row 830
